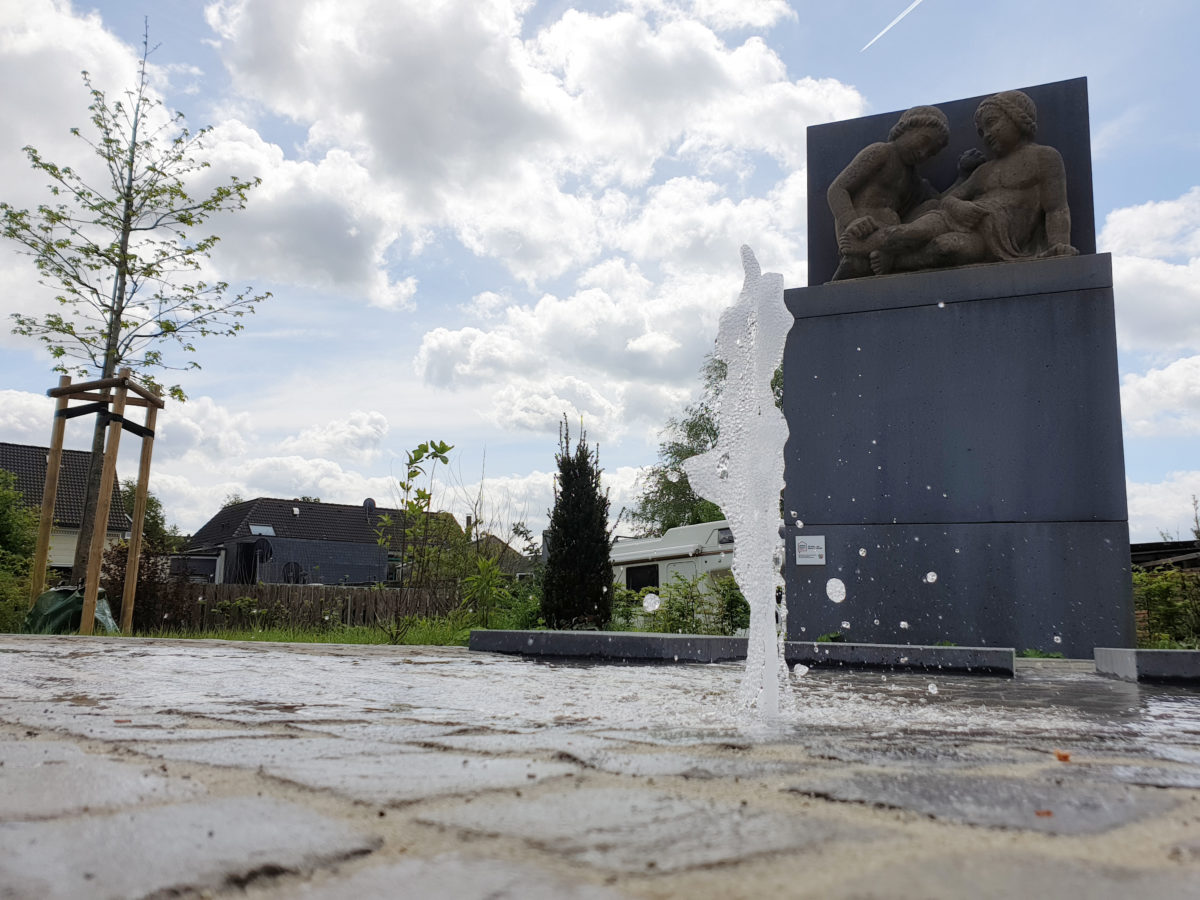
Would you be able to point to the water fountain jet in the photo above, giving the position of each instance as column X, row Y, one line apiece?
column 743, row 473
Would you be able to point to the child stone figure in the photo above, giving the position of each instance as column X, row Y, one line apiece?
column 1014, row 206
column 881, row 187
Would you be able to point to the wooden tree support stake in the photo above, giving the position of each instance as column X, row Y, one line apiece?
column 116, row 403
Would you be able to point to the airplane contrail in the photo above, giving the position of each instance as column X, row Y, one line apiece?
column 892, row 24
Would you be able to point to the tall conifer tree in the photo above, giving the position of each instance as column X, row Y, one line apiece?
column 577, row 587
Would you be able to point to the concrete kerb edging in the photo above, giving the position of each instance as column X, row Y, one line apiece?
column 1148, row 665
column 692, row 648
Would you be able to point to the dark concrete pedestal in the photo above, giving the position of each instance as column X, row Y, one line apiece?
column 955, row 438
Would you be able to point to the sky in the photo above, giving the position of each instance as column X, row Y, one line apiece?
column 477, row 216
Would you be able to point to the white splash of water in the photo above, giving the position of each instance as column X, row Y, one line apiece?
column 743, row 474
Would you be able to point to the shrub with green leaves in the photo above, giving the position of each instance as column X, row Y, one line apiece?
column 18, row 540
column 1166, row 605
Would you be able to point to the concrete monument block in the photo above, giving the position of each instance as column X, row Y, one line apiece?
column 955, row 446
column 954, row 467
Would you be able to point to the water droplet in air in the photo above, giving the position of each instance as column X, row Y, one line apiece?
column 941, row 304
column 845, row 624
column 835, row 590
column 862, row 551
column 876, row 621
column 651, row 603
column 904, row 625
column 933, row 688
column 930, row 577
column 1058, row 639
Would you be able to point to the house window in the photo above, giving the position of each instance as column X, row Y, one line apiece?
column 638, row 577
column 262, row 529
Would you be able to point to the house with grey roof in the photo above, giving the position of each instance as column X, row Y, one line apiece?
column 28, row 463
column 277, row 541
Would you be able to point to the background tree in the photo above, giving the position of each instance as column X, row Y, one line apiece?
column 121, row 248
column 156, row 534
column 577, row 582
column 667, row 499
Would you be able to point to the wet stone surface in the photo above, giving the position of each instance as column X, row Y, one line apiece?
column 1055, row 806
column 344, row 771
column 644, row 829
column 206, row 844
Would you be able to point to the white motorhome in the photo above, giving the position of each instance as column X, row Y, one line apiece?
column 689, row 551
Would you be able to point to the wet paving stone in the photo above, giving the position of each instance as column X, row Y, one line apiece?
column 408, row 777
column 640, row 831
column 1150, row 776
column 41, row 779
column 1059, row 806
column 1002, row 876
column 457, row 877
column 895, row 750
column 378, row 773
column 167, row 850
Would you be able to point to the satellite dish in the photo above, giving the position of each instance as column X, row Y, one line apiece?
column 263, row 550
column 292, row 573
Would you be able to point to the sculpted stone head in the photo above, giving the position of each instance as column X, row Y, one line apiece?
column 920, row 133
column 1019, row 115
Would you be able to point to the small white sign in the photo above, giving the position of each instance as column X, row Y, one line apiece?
column 810, row 550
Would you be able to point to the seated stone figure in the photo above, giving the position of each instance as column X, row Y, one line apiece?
column 881, row 186
column 1013, row 206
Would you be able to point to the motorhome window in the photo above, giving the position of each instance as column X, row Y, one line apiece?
column 724, row 535
column 638, row 577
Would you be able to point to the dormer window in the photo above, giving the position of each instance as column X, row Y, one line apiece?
column 266, row 530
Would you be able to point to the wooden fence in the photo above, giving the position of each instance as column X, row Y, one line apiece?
column 183, row 605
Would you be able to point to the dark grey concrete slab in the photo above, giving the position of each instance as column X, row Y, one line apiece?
column 612, row 645
column 170, row 850
column 977, row 660
column 1045, row 586
column 1047, row 805
column 997, row 408
column 1062, row 124
column 981, row 282
column 647, row 830
column 1181, row 666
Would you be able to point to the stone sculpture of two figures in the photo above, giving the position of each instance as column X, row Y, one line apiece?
column 1010, row 204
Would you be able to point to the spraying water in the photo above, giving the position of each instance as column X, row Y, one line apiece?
column 743, row 473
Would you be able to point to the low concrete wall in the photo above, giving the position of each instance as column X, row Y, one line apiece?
column 691, row 648
column 1149, row 665
column 975, row 660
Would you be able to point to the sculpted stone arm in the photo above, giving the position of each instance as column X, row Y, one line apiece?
column 958, row 201
column 1054, row 202
column 865, row 164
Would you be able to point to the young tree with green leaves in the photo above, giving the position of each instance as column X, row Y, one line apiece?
column 577, row 582
column 123, row 247
column 156, row 534
column 667, row 499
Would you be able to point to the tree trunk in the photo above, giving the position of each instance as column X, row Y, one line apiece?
column 90, row 496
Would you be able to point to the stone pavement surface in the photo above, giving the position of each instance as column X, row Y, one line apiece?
column 145, row 768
